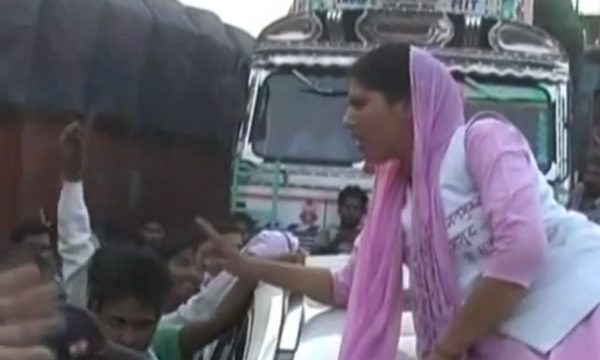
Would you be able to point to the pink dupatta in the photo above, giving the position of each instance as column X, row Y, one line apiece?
column 375, row 306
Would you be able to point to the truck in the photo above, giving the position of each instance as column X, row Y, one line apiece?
column 293, row 154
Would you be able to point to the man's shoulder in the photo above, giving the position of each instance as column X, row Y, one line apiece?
column 274, row 240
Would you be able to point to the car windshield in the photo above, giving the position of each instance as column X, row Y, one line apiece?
column 299, row 116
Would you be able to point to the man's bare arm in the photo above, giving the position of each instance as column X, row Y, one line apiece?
column 194, row 336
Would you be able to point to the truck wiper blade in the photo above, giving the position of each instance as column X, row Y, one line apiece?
column 332, row 93
column 313, row 87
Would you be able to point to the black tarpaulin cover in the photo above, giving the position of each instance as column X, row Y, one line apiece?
column 156, row 64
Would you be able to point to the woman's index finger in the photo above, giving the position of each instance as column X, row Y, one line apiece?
column 207, row 228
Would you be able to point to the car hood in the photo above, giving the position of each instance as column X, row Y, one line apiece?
column 286, row 326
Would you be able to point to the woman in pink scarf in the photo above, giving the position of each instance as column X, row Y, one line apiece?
column 492, row 255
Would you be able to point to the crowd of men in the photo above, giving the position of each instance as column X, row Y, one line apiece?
column 150, row 293
column 147, row 294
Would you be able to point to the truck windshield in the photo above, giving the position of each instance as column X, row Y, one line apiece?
column 299, row 118
column 299, row 114
column 528, row 106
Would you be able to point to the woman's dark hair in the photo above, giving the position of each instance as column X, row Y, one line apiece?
column 119, row 272
column 353, row 192
column 385, row 70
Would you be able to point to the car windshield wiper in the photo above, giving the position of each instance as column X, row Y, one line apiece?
column 315, row 88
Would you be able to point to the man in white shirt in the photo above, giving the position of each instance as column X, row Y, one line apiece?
column 272, row 244
column 77, row 247
column 267, row 243
column 76, row 244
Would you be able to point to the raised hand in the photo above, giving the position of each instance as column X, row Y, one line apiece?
column 71, row 144
column 222, row 250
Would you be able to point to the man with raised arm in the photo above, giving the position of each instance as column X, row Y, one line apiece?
column 76, row 244
column 87, row 271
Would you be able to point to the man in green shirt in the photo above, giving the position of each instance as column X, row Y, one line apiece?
column 128, row 288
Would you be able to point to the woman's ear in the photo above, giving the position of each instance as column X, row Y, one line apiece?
column 403, row 110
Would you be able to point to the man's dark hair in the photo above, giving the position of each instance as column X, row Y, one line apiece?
column 147, row 219
column 29, row 228
column 353, row 192
column 242, row 217
column 119, row 272
column 385, row 70
column 178, row 241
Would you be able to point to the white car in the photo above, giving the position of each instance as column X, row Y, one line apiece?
column 285, row 326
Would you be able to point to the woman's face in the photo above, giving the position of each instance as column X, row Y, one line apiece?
column 383, row 130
